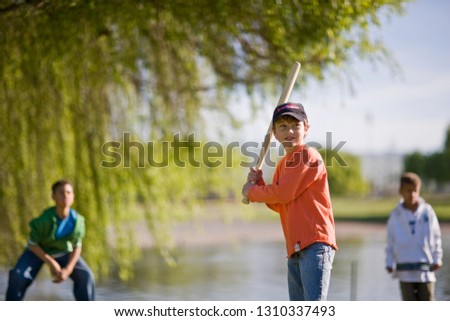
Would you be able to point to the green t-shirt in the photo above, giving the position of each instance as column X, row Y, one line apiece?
column 43, row 232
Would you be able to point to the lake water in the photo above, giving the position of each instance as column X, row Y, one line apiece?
column 245, row 271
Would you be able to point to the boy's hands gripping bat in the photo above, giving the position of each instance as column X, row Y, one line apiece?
column 283, row 99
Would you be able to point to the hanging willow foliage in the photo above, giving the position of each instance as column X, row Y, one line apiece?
column 77, row 74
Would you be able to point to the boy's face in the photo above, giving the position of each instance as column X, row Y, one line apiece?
column 63, row 196
column 290, row 132
column 410, row 195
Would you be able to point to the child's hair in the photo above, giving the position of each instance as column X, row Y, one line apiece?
column 59, row 183
column 410, row 178
column 290, row 119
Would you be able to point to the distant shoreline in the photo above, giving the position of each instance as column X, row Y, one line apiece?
column 216, row 232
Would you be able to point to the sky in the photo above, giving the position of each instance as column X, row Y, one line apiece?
column 386, row 113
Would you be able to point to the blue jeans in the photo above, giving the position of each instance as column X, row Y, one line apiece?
column 29, row 265
column 309, row 272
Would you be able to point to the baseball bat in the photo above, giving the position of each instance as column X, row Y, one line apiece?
column 288, row 86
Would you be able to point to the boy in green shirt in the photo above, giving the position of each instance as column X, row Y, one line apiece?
column 55, row 239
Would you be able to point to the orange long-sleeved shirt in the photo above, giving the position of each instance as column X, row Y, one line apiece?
column 300, row 194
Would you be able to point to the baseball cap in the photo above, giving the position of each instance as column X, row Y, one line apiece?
column 295, row 110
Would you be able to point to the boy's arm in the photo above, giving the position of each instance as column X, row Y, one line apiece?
column 436, row 242
column 296, row 179
column 38, row 229
column 68, row 269
column 55, row 268
column 390, row 245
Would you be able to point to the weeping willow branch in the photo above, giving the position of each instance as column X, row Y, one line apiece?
column 76, row 74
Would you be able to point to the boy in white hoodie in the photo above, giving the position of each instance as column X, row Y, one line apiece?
column 414, row 246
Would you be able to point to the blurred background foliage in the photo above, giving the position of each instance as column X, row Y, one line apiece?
column 77, row 74
column 433, row 168
column 344, row 174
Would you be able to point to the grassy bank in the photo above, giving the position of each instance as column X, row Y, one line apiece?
column 367, row 209
column 377, row 209
column 363, row 209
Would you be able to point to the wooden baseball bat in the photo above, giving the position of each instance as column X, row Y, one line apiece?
column 288, row 86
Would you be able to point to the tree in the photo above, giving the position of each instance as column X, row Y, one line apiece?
column 344, row 174
column 415, row 162
column 75, row 75
column 434, row 167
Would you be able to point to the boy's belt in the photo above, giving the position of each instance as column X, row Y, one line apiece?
column 420, row 266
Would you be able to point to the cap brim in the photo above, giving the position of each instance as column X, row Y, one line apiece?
column 295, row 115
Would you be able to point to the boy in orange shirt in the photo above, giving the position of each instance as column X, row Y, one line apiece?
column 300, row 194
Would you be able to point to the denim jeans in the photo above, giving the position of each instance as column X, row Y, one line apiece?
column 29, row 265
column 309, row 272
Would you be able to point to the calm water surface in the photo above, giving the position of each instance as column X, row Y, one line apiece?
column 246, row 271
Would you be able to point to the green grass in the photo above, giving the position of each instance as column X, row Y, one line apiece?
column 363, row 209
column 377, row 209
column 366, row 209
column 441, row 205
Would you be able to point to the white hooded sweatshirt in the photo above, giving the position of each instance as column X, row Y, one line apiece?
column 413, row 237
